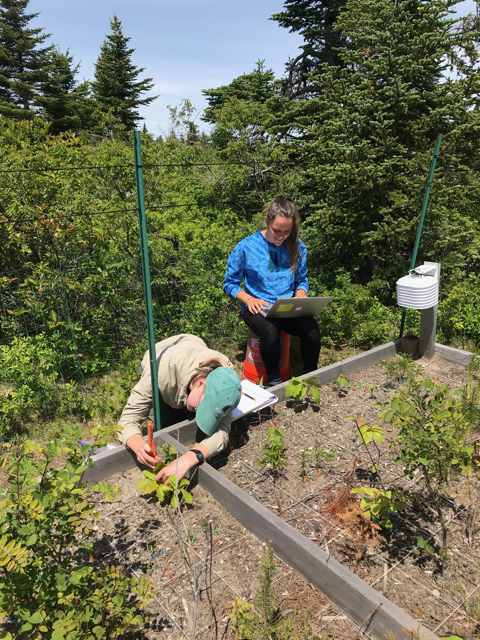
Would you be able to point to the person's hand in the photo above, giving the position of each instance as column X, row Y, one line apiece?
column 185, row 462
column 255, row 304
column 300, row 293
column 142, row 450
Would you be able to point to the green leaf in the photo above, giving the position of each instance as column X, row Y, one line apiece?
column 388, row 415
column 117, row 601
column 395, row 403
column 5, row 635
column 99, row 632
column 36, row 618
column 423, row 461
column 316, row 395
column 187, row 496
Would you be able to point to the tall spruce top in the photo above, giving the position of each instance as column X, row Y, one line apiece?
column 116, row 86
column 22, row 60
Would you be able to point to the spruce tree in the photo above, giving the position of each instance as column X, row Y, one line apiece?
column 367, row 140
column 22, row 60
column 257, row 86
column 116, row 88
column 65, row 104
column 314, row 20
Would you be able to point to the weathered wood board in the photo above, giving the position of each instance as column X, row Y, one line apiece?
column 453, row 355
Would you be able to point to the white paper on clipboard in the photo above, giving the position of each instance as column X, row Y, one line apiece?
column 253, row 398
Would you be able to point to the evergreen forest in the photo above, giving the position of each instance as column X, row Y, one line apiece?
column 348, row 132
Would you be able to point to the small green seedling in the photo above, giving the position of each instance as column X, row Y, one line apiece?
column 426, row 549
column 373, row 388
column 274, row 451
column 380, row 504
column 319, row 455
column 341, row 384
column 169, row 453
column 298, row 389
column 304, row 457
column 148, row 485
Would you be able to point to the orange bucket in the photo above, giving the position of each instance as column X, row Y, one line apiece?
column 253, row 367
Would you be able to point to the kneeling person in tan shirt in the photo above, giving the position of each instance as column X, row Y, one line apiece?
column 191, row 376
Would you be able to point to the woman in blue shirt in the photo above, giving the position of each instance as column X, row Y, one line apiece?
column 273, row 264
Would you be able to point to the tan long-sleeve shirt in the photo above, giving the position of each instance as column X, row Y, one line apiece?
column 177, row 359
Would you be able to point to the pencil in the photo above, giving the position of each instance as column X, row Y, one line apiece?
column 246, row 394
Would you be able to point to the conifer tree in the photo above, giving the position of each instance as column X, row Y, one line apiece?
column 22, row 60
column 314, row 20
column 65, row 104
column 368, row 138
column 116, row 87
column 257, row 86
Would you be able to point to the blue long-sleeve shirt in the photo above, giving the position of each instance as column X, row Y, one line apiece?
column 265, row 270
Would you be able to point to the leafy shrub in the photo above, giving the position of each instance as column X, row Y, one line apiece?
column 458, row 317
column 378, row 505
column 356, row 317
column 48, row 584
column 298, row 389
column 273, row 452
column 28, row 381
column 432, row 436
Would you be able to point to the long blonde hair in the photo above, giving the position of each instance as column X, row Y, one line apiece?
column 284, row 207
column 204, row 368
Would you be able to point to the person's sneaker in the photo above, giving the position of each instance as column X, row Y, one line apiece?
column 273, row 383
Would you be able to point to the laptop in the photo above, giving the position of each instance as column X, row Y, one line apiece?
column 295, row 307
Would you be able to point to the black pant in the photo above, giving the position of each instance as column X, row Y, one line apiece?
column 305, row 328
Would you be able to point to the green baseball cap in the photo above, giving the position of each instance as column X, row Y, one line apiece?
column 222, row 395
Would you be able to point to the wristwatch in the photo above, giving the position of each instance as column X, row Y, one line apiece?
column 199, row 454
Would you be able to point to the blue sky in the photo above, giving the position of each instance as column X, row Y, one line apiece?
column 184, row 45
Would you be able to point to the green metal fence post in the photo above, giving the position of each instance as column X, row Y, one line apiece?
column 422, row 216
column 142, row 220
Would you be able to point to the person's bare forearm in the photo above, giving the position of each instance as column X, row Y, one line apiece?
column 183, row 465
column 254, row 304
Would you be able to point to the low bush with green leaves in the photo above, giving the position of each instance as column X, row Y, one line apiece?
column 379, row 505
column 28, row 382
column 175, row 492
column 49, row 586
column 298, row 389
column 355, row 316
column 432, row 436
